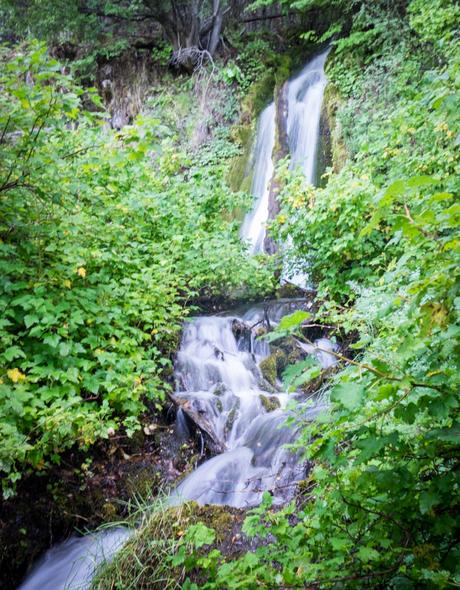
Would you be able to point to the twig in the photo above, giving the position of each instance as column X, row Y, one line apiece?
column 5, row 129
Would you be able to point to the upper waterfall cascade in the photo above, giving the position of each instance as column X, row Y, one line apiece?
column 304, row 96
column 218, row 374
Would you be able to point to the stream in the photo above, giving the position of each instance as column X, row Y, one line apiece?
column 220, row 386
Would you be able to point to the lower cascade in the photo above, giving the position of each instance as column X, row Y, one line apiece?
column 222, row 389
column 220, row 386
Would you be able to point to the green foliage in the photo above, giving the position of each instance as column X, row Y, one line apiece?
column 161, row 54
column 105, row 238
column 288, row 325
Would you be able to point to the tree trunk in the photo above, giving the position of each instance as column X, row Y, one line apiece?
column 218, row 19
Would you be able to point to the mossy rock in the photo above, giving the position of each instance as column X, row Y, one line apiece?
column 270, row 402
column 291, row 350
column 143, row 562
column 231, row 416
column 268, row 369
column 238, row 176
column 272, row 366
column 259, row 95
column 284, row 70
column 332, row 103
column 141, row 481
column 289, row 291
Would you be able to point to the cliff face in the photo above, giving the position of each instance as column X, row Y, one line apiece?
column 123, row 83
column 332, row 146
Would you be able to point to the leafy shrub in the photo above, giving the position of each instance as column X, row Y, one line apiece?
column 106, row 239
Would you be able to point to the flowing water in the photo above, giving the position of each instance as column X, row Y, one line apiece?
column 304, row 95
column 304, row 98
column 220, row 386
column 72, row 563
column 253, row 228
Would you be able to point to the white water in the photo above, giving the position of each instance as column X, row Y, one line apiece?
column 219, row 378
column 72, row 563
column 304, row 99
column 253, row 228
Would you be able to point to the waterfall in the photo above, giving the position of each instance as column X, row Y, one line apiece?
column 218, row 375
column 253, row 228
column 70, row 565
column 304, row 96
column 219, row 378
column 219, row 381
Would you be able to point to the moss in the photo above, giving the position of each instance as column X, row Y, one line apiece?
column 283, row 71
column 144, row 562
column 219, row 390
column 257, row 98
column 141, row 482
column 238, row 176
column 259, row 95
column 232, row 416
column 332, row 103
column 268, row 369
column 109, row 511
column 272, row 366
column 270, row 402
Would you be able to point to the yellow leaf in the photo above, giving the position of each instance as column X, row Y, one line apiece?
column 81, row 271
column 15, row 375
column 439, row 314
column 67, row 284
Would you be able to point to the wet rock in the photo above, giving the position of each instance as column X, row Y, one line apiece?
column 268, row 369
column 272, row 366
column 231, row 417
column 270, row 402
column 201, row 421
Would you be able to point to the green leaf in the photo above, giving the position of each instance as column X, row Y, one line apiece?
column 367, row 554
column 349, row 394
column 30, row 319
column 293, row 372
column 13, row 352
column 294, row 320
column 64, row 348
column 427, row 500
column 199, row 535
column 422, row 180
column 52, row 340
